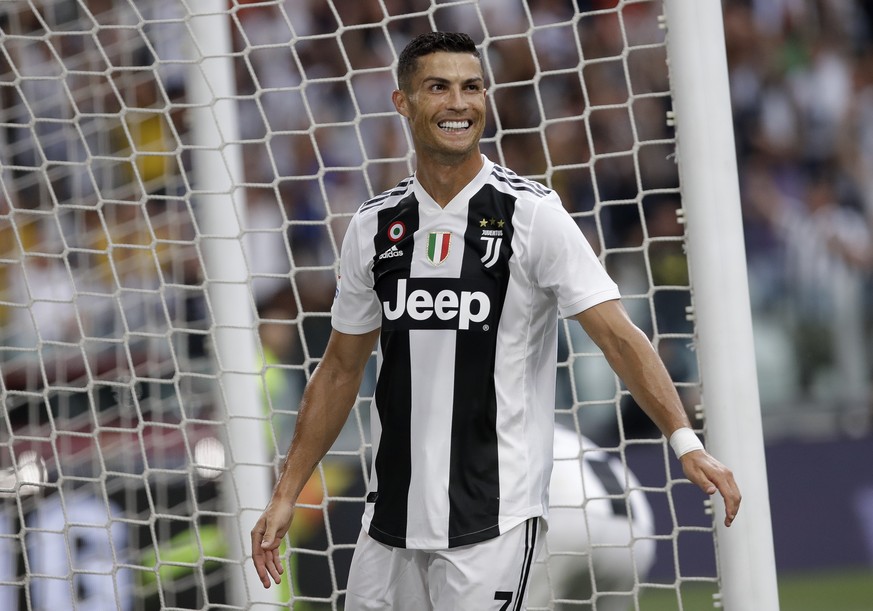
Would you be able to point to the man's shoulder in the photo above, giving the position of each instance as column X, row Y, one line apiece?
column 388, row 198
column 522, row 187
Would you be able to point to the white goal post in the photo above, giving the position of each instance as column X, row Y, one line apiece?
column 175, row 180
column 717, row 262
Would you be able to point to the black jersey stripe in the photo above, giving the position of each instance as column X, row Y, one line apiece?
column 474, row 478
column 401, row 188
column 530, row 546
column 519, row 187
column 393, row 395
column 514, row 180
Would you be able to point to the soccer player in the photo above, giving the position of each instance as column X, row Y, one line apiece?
column 600, row 540
column 460, row 272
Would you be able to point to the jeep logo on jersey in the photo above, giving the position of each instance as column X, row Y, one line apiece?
column 431, row 304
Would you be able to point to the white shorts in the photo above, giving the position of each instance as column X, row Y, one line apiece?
column 487, row 576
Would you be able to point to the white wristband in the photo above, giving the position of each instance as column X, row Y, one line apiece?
column 684, row 440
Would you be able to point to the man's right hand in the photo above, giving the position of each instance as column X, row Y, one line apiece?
column 267, row 536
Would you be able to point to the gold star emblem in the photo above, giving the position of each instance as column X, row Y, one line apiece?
column 483, row 223
column 501, row 223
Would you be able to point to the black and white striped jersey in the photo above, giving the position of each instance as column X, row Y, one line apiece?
column 467, row 297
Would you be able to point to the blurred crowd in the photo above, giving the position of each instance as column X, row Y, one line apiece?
column 97, row 224
column 801, row 77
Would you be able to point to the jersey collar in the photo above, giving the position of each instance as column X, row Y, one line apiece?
column 428, row 205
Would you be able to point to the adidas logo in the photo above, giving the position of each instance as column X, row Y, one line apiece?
column 391, row 252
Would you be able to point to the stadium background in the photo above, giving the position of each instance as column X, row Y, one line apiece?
column 802, row 94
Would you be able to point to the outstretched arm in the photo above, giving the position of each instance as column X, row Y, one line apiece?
column 327, row 400
column 632, row 356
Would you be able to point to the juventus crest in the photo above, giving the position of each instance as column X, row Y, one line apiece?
column 493, row 239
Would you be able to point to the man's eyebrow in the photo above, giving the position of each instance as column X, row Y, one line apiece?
column 442, row 80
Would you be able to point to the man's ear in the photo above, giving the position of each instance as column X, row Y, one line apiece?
column 400, row 102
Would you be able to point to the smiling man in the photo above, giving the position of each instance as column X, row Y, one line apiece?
column 461, row 271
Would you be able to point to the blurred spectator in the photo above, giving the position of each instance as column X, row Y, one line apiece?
column 41, row 290
column 823, row 287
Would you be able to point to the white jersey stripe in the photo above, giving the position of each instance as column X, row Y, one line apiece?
column 430, row 472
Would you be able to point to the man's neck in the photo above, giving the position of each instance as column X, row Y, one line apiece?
column 443, row 181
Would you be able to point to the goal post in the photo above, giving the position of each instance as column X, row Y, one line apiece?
column 706, row 156
column 218, row 198
column 175, row 181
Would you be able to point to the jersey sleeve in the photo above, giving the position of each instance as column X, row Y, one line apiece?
column 356, row 309
column 564, row 262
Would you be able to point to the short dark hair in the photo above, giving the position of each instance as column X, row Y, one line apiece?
column 431, row 42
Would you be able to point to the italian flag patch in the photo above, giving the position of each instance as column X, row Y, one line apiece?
column 438, row 246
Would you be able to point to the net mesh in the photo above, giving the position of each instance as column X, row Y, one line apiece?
column 115, row 473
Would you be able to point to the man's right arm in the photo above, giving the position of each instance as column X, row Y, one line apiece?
column 327, row 400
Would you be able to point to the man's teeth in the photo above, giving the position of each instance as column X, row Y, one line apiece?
column 454, row 124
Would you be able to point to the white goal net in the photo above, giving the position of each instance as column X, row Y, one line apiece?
column 173, row 199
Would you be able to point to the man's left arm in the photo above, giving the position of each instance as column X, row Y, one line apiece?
column 634, row 359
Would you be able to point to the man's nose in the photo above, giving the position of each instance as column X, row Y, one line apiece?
column 457, row 100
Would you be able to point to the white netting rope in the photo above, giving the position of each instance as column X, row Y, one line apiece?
column 109, row 386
